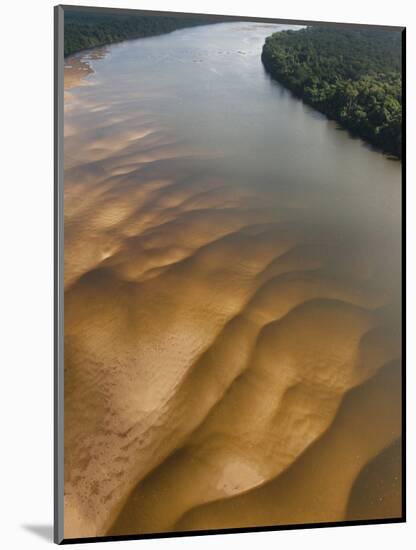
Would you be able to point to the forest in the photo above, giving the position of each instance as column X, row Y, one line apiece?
column 83, row 30
column 352, row 76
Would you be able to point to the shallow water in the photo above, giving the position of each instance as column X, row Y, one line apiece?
column 232, row 271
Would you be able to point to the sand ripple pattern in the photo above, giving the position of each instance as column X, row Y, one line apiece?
column 227, row 363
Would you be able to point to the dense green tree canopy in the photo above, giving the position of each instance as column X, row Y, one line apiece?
column 353, row 76
column 84, row 30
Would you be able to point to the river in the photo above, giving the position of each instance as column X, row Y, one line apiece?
column 233, row 276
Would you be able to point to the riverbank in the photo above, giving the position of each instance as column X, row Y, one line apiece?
column 352, row 76
column 84, row 30
column 231, row 272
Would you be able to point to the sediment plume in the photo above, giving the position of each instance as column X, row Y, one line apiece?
column 228, row 362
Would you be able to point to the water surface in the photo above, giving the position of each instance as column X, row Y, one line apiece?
column 232, row 269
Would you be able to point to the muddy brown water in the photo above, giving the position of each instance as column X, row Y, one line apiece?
column 232, row 302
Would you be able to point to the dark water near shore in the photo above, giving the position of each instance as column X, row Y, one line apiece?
column 208, row 210
column 206, row 89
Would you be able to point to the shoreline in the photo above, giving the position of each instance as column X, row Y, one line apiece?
column 353, row 134
column 84, row 31
column 207, row 318
column 75, row 72
column 355, row 81
column 104, row 44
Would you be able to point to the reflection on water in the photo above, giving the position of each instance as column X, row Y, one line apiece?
column 232, row 303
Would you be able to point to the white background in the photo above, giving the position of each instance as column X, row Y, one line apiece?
column 26, row 271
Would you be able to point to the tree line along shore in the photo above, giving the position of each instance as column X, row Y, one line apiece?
column 84, row 30
column 352, row 76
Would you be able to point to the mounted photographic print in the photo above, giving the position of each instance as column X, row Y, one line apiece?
column 228, row 268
